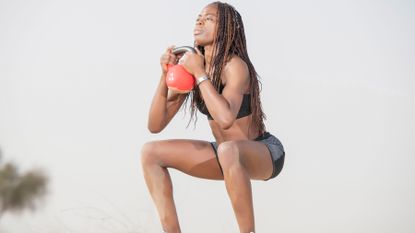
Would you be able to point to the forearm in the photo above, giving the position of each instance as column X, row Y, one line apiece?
column 217, row 105
column 158, row 108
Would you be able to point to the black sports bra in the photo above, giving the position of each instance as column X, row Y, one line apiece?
column 244, row 111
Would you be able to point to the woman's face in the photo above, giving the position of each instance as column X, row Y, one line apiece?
column 206, row 24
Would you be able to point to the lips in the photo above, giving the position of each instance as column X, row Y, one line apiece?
column 197, row 31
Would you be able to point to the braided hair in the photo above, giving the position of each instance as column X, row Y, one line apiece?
column 230, row 41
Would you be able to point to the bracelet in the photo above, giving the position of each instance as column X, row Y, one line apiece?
column 201, row 79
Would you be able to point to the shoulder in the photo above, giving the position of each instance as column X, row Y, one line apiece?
column 236, row 64
column 237, row 70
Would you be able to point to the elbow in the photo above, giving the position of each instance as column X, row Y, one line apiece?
column 154, row 129
column 156, row 125
column 226, row 122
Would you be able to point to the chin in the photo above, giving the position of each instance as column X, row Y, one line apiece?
column 198, row 41
column 202, row 42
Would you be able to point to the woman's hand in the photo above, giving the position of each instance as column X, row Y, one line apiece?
column 167, row 58
column 193, row 63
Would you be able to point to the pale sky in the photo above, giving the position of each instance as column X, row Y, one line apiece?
column 77, row 78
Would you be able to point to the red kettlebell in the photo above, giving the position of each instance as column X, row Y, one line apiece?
column 178, row 79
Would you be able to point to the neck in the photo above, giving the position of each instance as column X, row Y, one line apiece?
column 208, row 56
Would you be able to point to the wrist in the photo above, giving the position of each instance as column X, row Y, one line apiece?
column 200, row 73
column 163, row 73
column 201, row 79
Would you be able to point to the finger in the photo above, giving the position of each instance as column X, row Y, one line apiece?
column 170, row 48
column 198, row 51
column 166, row 57
column 182, row 59
column 186, row 55
column 172, row 59
column 163, row 58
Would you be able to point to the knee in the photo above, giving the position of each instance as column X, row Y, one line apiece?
column 228, row 153
column 148, row 153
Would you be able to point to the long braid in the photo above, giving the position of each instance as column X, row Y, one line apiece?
column 230, row 41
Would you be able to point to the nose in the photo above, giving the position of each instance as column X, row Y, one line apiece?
column 199, row 21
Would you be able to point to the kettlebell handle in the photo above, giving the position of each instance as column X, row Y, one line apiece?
column 183, row 49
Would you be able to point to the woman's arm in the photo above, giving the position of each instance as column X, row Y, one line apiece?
column 164, row 106
column 224, row 107
column 165, row 103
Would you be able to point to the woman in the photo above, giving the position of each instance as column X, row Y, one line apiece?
column 227, row 92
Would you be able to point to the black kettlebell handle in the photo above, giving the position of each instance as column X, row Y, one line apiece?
column 183, row 49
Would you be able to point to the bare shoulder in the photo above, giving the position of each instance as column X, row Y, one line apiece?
column 236, row 69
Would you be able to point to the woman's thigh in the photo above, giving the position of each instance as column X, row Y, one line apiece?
column 253, row 155
column 193, row 157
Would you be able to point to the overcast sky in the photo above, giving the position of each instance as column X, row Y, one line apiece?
column 77, row 78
